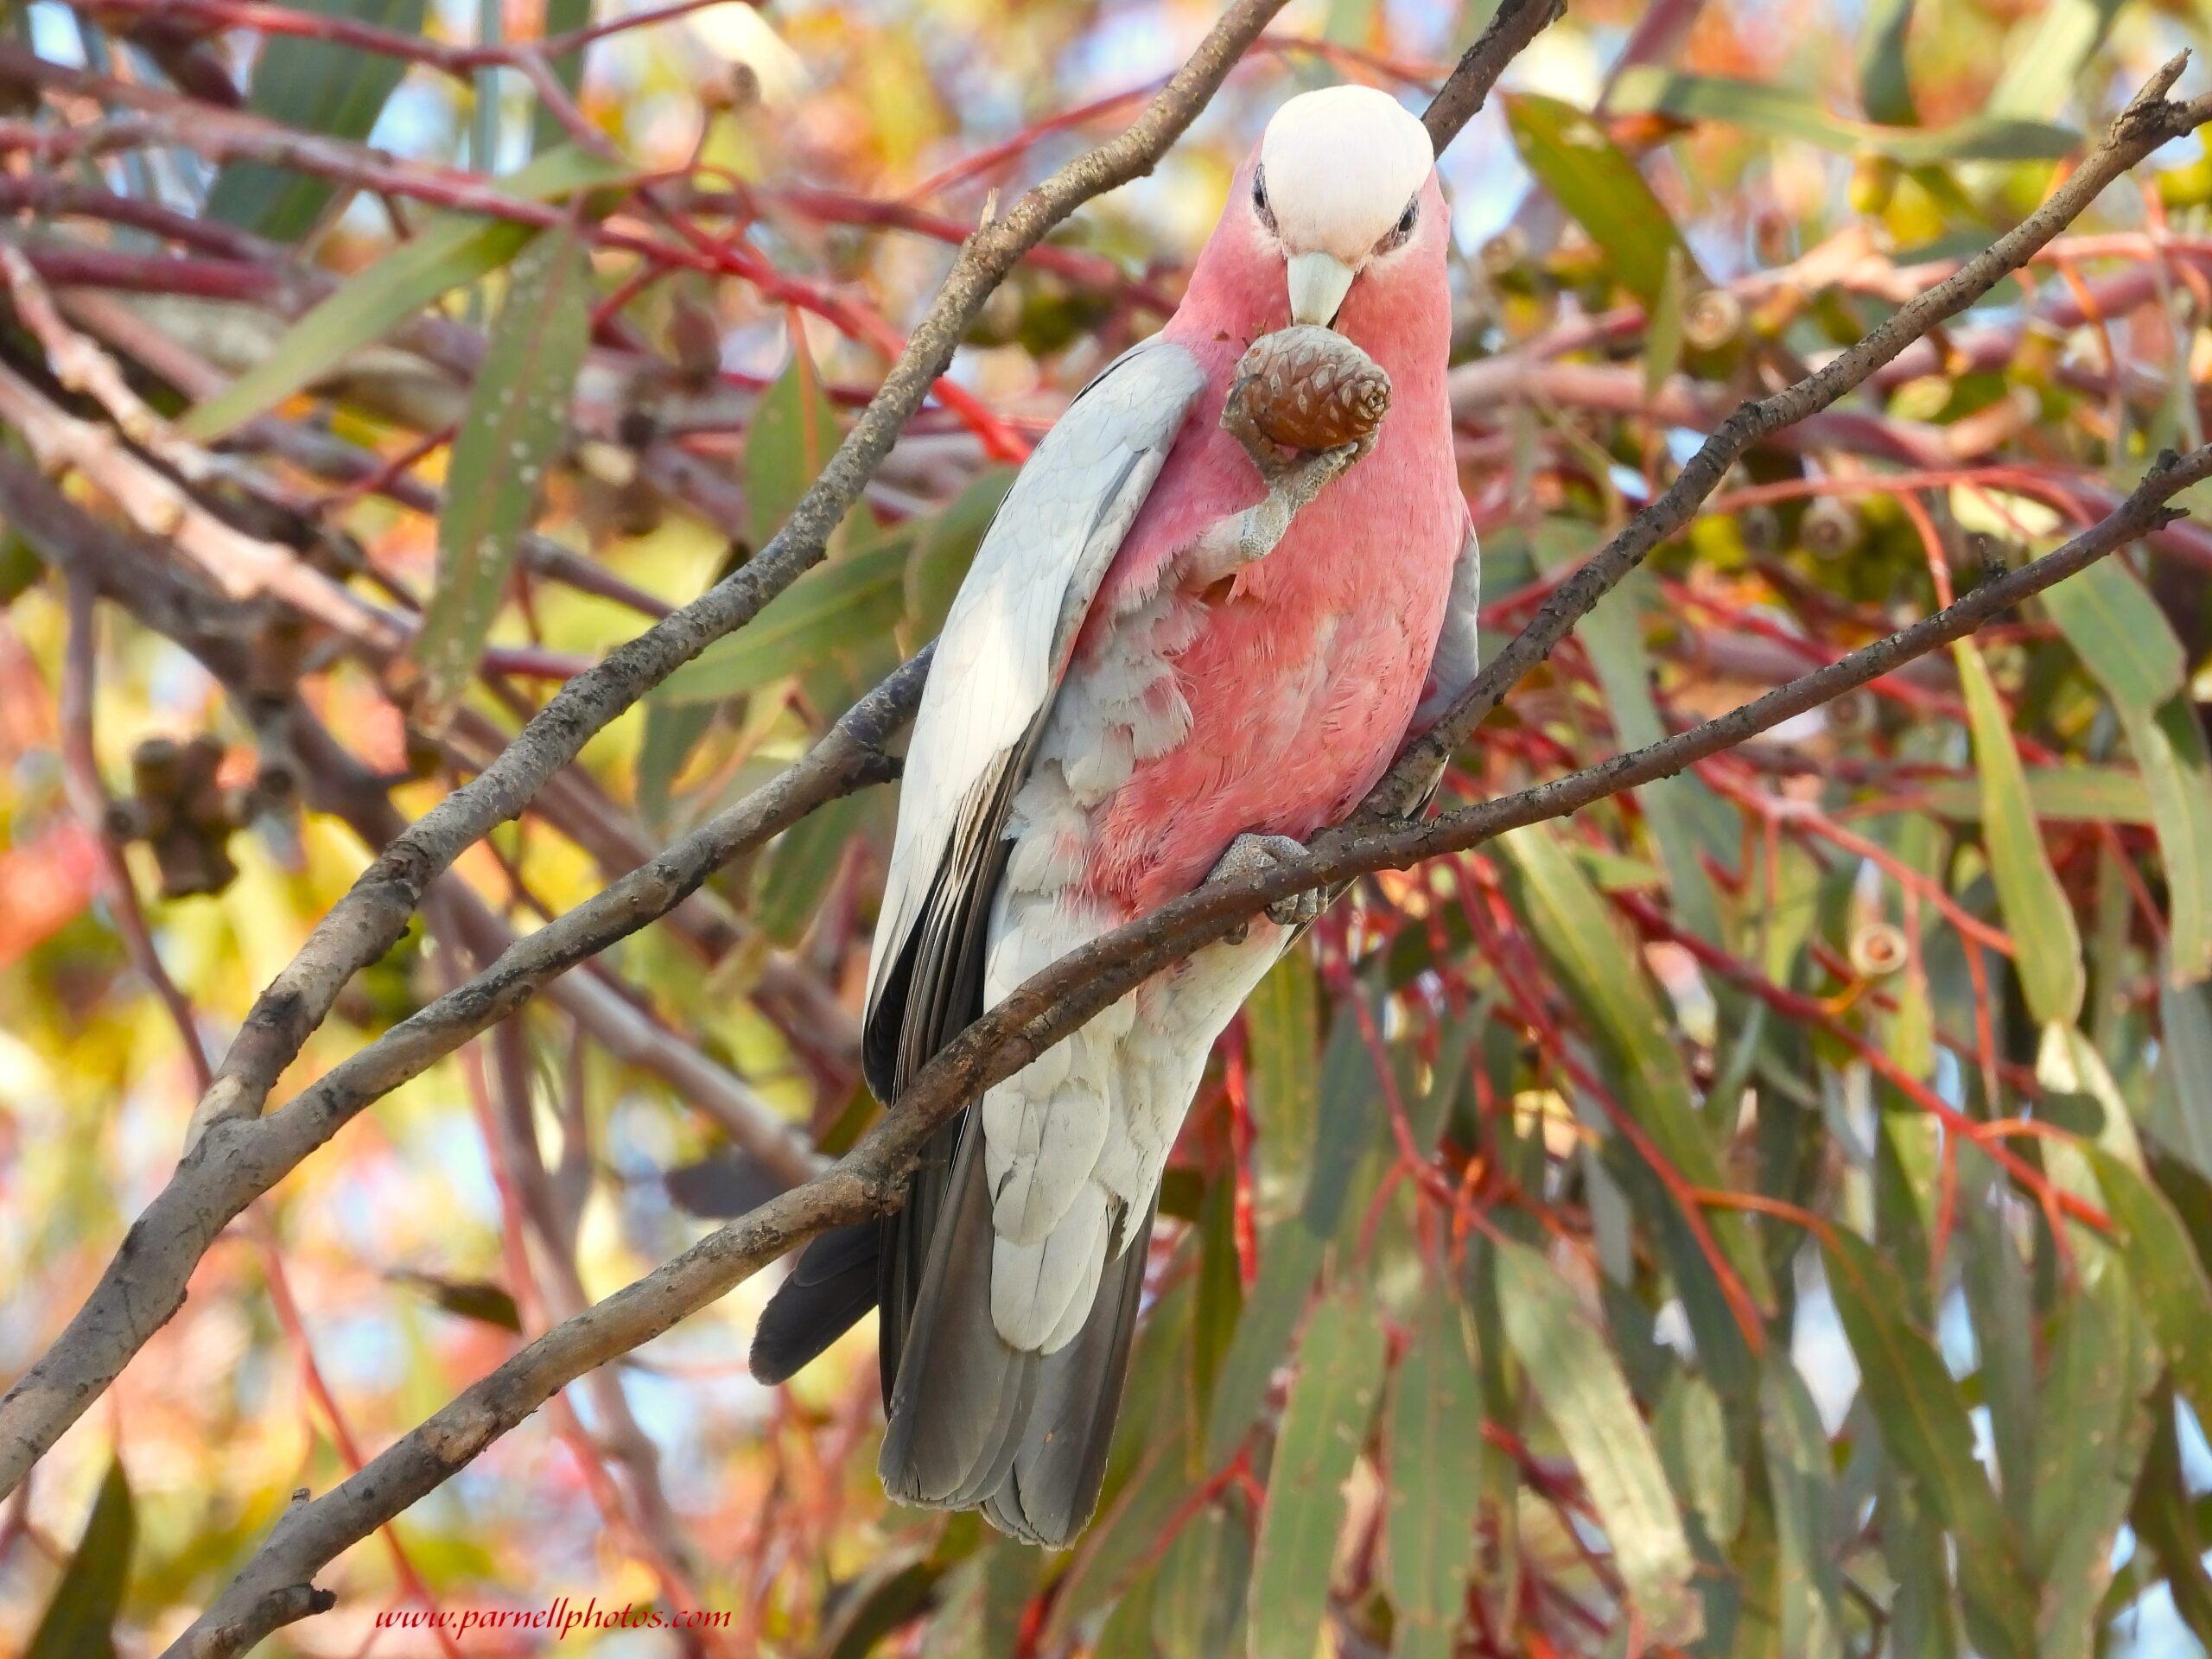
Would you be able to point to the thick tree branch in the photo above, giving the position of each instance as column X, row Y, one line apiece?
column 240, row 1160
column 374, row 913
column 275, row 1587
column 870, row 1178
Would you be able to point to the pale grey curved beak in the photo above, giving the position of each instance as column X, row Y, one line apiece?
column 1318, row 284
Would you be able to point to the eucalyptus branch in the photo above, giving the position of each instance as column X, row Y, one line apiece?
column 277, row 1585
column 144, row 1284
column 245, row 566
column 374, row 913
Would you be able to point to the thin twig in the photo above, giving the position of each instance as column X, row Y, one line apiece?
column 89, row 798
column 144, row 1284
column 242, row 566
column 1511, row 26
column 2147, row 122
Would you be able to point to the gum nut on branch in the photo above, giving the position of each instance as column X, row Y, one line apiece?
column 1307, row 387
column 1830, row 528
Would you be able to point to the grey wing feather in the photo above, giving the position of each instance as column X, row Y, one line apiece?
column 1053, row 1487
column 1006, row 644
column 1458, row 657
column 1458, row 650
column 973, row 1422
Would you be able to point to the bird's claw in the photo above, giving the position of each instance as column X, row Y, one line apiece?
column 1248, row 537
column 1251, row 855
column 1308, row 476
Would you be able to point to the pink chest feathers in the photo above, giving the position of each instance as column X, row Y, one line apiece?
column 1297, row 680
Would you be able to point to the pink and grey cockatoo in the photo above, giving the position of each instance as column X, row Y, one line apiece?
column 1175, row 653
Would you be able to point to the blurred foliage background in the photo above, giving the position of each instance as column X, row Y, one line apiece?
column 1764, row 1215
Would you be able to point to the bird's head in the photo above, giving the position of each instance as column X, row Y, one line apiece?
column 1340, row 190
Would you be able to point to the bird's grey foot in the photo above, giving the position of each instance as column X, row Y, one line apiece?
column 1251, row 855
column 1247, row 536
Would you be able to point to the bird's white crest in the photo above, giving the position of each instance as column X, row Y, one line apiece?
column 1341, row 165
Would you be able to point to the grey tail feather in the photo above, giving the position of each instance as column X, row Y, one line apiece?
column 976, row 1424
column 843, row 1274
column 832, row 1285
column 906, row 1235
column 1052, row 1489
column 972, row 1423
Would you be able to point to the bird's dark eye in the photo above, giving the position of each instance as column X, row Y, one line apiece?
column 1265, row 214
column 1404, row 228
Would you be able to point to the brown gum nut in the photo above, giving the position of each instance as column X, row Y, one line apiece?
column 1310, row 388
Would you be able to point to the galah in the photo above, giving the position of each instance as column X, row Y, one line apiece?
column 1175, row 653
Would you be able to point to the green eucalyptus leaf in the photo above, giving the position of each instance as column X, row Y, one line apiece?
column 1780, row 113
column 2039, row 75
column 2119, row 633
column 1801, row 1481
column 1283, row 1020
column 1585, row 1397
column 793, row 432
column 2170, row 1282
column 857, row 597
column 1436, row 1481
column 2125, row 640
column 2166, row 1521
column 310, row 85
column 1220, row 1289
column 452, row 251
column 1924, row 1426
column 79, row 1618
column 510, row 436
column 2077, row 794
column 2181, row 1109
column 2049, row 960
column 1573, row 159
column 2093, row 1430
column 561, row 17
column 1331, row 1402
column 805, row 860
column 1599, row 968
column 1883, row 87
column 1290, row 1261
column 1198, row 1602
